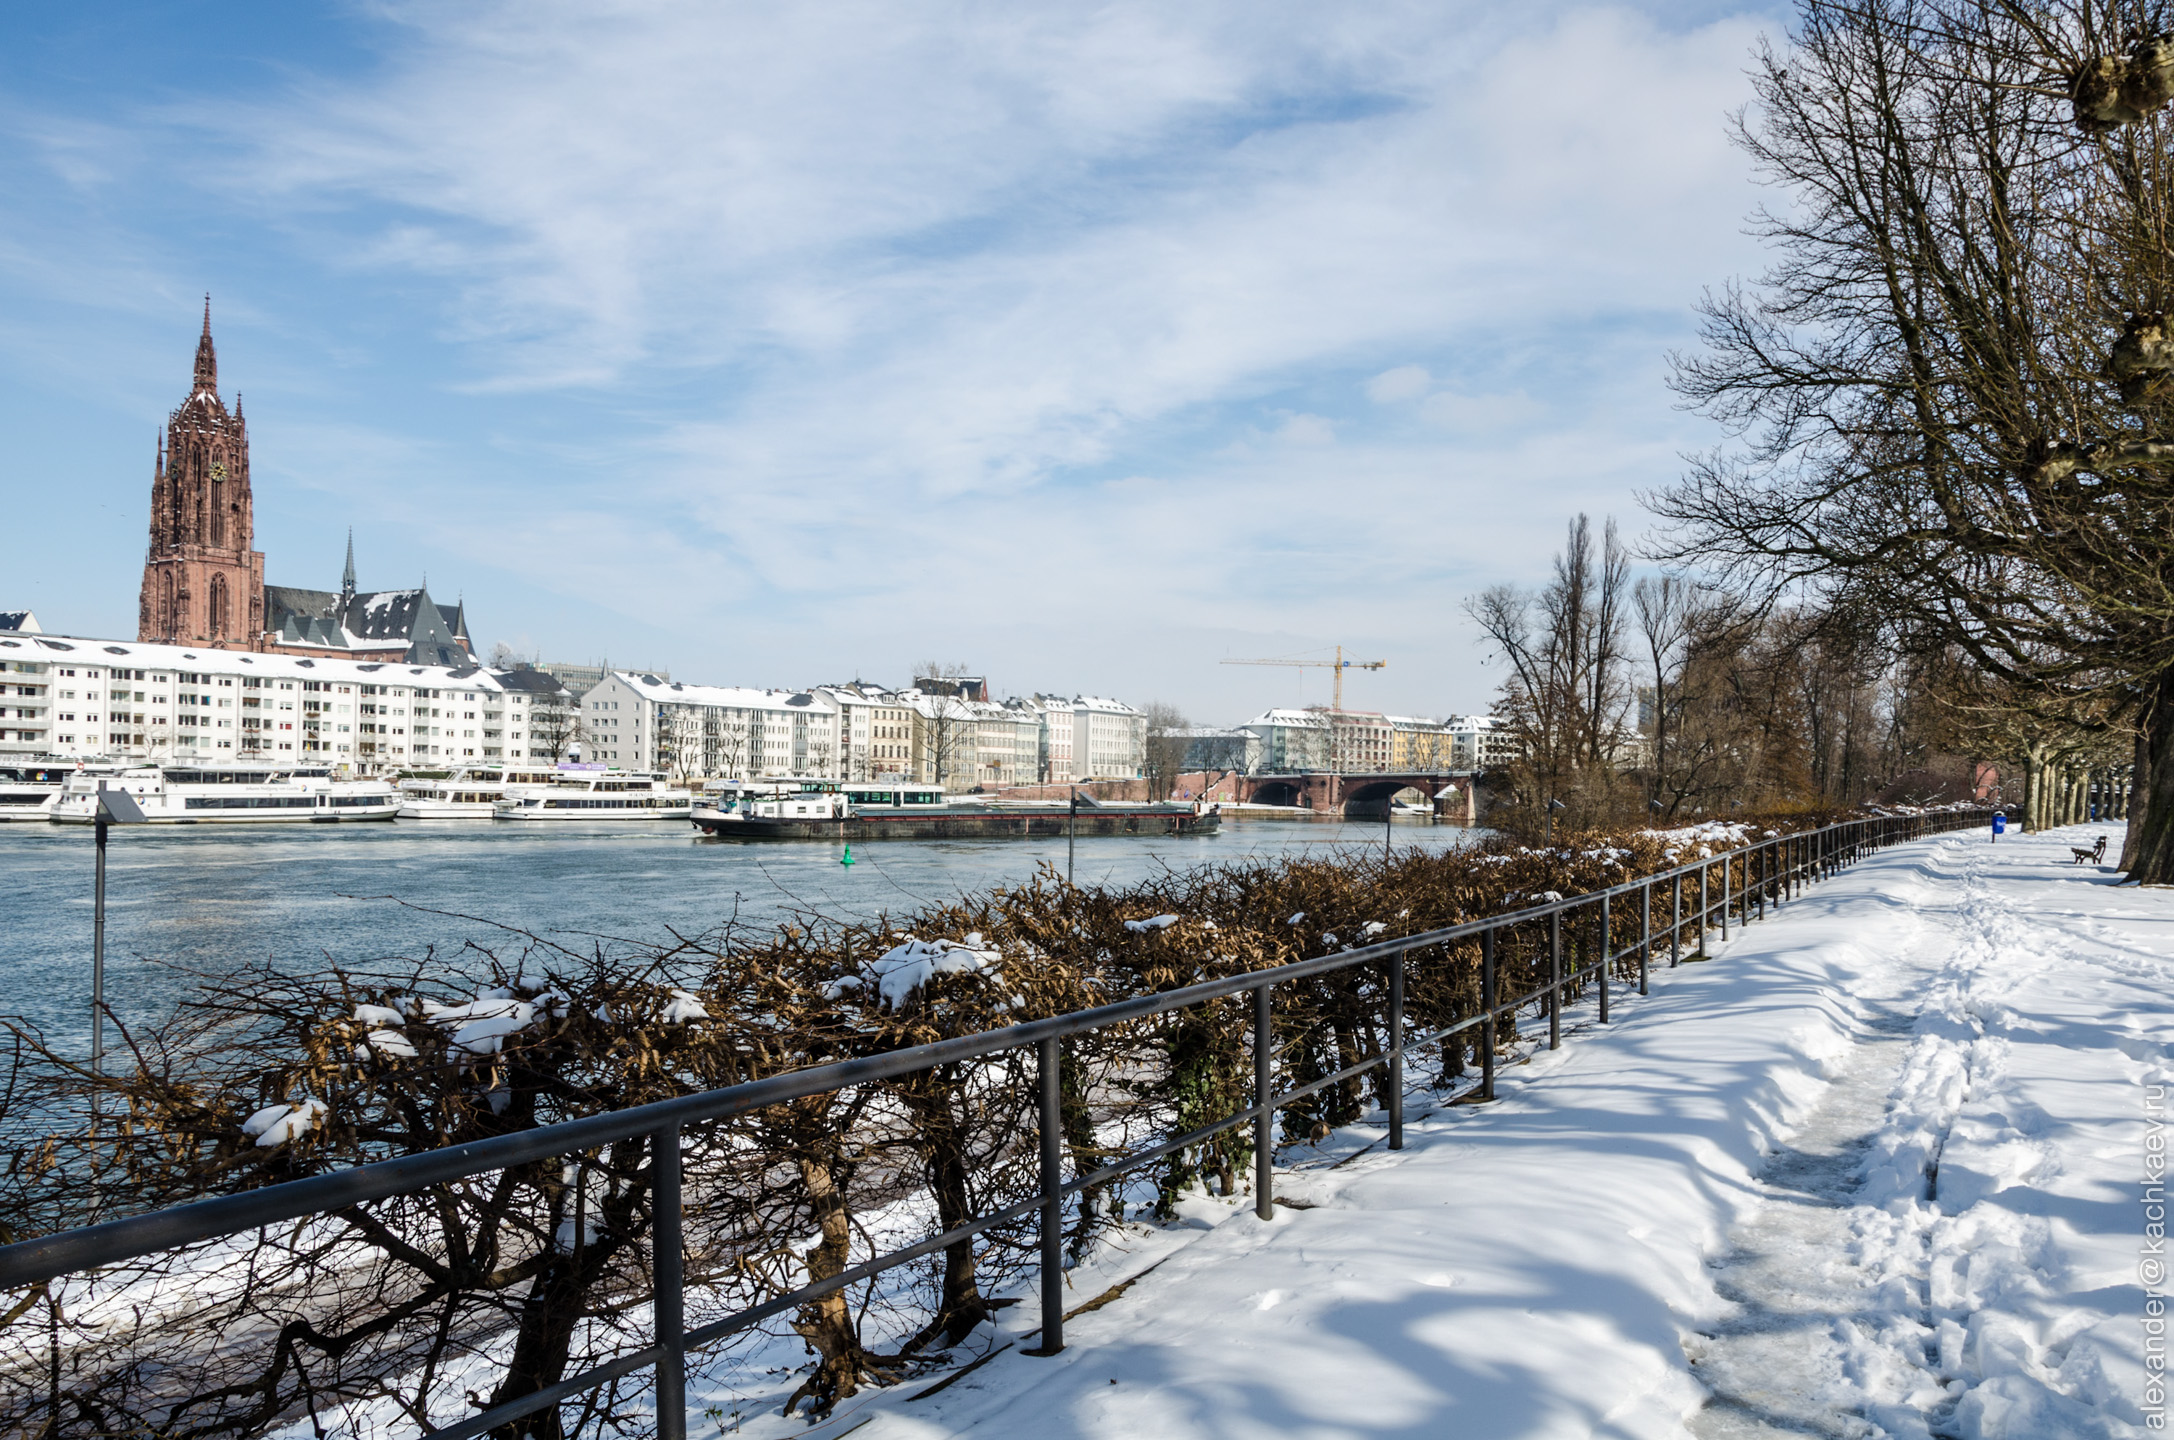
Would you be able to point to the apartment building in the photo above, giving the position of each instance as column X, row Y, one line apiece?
column 75, row 696
column 646, row 722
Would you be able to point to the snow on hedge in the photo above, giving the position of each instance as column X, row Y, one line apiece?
column 904, row 968
column 277, row 1124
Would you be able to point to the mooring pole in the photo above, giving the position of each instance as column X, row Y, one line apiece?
column 1071, row 837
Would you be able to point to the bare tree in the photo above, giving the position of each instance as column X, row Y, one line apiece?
column 1165, row 749
column 554, row 724
column 948, row 729
column 1949, row 396
column 1566, row 694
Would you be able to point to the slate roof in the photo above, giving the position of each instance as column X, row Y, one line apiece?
column 369, row 620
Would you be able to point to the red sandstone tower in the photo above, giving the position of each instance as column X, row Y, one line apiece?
column 202, row 584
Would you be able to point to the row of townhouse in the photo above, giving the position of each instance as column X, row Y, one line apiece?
column 1353, row 742
column 950, row 734
column 76, row 697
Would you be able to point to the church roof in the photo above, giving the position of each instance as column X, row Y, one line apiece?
column 366, row 620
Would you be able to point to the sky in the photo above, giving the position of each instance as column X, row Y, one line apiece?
column 1084, row 346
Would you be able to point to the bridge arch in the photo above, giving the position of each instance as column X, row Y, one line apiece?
column 1372, row 799
column 1280, row 792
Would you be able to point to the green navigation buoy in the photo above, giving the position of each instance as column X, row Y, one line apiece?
column 847, row 858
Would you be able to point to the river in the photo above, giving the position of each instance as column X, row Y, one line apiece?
column 214, row 897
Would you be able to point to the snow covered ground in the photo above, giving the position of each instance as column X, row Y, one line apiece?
column 1876, row 1169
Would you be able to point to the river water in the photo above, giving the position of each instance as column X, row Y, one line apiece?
column 215, row 897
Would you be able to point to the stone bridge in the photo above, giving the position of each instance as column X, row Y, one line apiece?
column 1359, row 796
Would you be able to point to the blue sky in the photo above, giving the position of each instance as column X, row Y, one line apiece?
column 1085, row 346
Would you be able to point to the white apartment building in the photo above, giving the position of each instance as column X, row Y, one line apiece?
column 1292, row 741
column 73, row 696
column 1088, row 737
column 875, row 731
column 1008, row 745
column 645, row 722
column 1480, row 742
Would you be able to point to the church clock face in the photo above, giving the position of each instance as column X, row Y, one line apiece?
column 218, row 470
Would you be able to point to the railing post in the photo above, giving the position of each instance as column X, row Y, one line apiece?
column 1726, row 867
column 1645, row 932
column 1675, row 922
column 1705, row 906
column 1049, row 1057
column 1555, row 980
column 668, row 1292
column 1396, row 1052
column 1264, row 1123
column 1487, row 1008
column 1606, row 943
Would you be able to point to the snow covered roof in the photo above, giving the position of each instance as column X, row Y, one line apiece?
column 19, row 622
column 1290, row 719
column 727, row 697
column 74, row 649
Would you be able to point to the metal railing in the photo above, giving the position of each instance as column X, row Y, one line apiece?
column 1751, row 878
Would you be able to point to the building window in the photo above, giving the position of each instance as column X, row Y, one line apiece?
column 218, row 606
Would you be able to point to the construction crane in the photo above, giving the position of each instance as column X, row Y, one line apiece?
column 1339, row 665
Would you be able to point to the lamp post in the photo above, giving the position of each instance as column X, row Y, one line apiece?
column 1552, row 807
column 115, row 807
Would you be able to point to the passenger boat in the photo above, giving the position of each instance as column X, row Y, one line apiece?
column 30, row 786
column 577, row 791
column 831, row 810
column 231, row 794
column 471, row 793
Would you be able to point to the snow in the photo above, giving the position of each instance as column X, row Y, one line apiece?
column 1155, row 922
column 907, row 966
column 481, row 1026
column 1876, row 1170
column 277, row 1124
column 685, row 1006
column 390, row 1044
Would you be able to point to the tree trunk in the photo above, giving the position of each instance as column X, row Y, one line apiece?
column 942, row 1141
column 2152, row 862
column 2034, row 785
column 2132, row 799
column 827, row 1324
column 555, row 1305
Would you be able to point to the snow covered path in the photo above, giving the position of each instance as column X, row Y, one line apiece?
column 1875, row 1170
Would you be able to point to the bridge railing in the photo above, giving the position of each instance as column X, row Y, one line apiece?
column 1579, row 953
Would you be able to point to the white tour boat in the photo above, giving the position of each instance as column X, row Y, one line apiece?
column 578, row 791
column 30, row 786
column 467, row 794
column 231, row 794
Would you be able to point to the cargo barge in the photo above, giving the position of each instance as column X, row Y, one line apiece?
column 826, row 810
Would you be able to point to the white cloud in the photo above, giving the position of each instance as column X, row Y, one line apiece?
column 1306, row 430
column 1406, row 382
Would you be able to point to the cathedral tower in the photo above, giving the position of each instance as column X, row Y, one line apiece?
column 202, row 584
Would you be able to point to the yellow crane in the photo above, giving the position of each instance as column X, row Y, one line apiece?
column 1339, row 665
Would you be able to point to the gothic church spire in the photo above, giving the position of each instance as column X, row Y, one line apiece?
column 207, row 359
